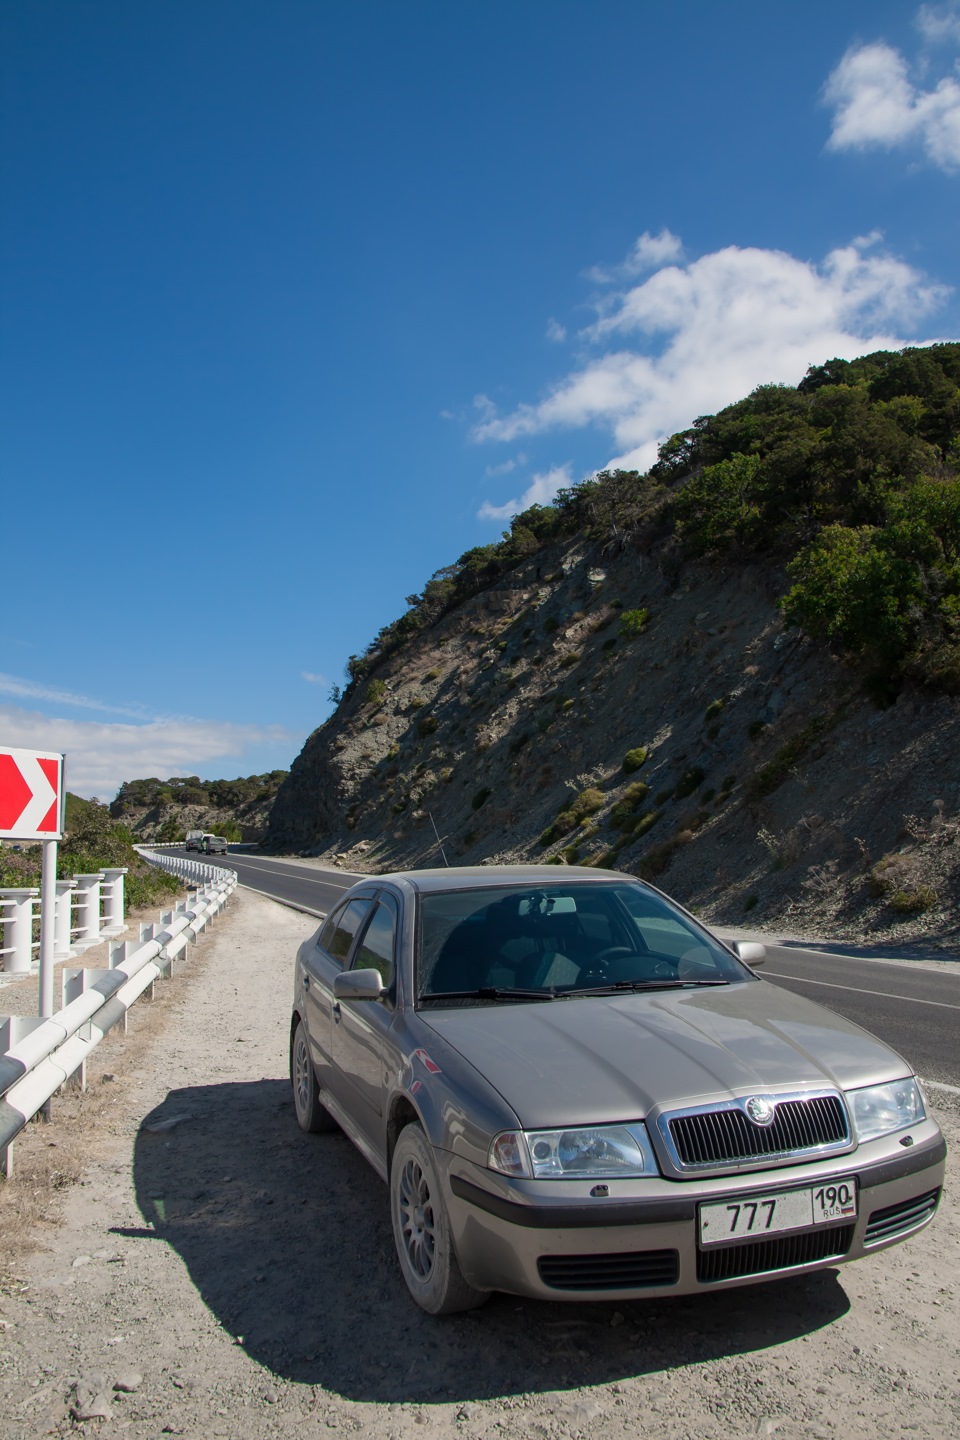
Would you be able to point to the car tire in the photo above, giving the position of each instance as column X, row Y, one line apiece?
column 312, row 1116
column 421, row 1229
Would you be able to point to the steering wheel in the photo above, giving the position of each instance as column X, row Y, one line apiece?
column 597, row 966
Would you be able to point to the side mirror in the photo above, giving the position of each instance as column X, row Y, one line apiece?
column 358, row 985
column 751, row 952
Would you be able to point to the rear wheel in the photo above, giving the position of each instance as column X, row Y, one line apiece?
column 311, row 1115
column 421, row 1230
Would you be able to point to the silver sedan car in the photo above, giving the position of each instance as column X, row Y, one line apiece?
column 575, row 1091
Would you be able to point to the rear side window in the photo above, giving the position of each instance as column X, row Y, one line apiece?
column 378, row 946
column 337, row 935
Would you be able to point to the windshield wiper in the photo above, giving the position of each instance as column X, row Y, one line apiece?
column 621, row 987
column 490, row 992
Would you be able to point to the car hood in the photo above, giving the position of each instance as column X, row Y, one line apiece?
column 605, row 1058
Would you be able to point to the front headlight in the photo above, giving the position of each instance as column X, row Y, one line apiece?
column 593, row 1152
column 880, row 1109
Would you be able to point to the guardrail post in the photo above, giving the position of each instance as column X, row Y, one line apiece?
column 13, row 1028
column 88, row 910
column 62, row 949
column 113, row 902
column 18, row 929
column 117, row 954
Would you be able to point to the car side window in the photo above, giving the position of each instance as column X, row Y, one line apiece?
column 337, row 935
column 377, row 949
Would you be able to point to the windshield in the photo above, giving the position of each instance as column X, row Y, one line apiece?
column 550, row 941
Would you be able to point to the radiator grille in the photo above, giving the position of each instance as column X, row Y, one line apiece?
column 754, row 1257
column 631, row 1270
column 894, row 1219
column 717, row 1137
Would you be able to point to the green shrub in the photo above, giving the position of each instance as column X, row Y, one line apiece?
column 375, row 692
column 432, row 675
column 633, row 623
column 417, row 702
column 588, row 802
column 662, row 796
column 624, row 813
column 555, row 860
column 571, row 854
column 655, row 861
column 913, row 902
column 772, row 775
column 428, row 725
column 551, row 624
column 393, row 752
column 481, row 798
column 689, row 781
column 714, row 709
column 751, row 902
column 635, row 758
column 446, row 775
column 572, row 657
column 645, row 823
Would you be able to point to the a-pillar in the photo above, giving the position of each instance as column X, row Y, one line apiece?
column 17, row 911
column 88, row 910
column 113, row 902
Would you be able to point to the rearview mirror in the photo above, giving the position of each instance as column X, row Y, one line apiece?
column 751, row 952
column 358, row 985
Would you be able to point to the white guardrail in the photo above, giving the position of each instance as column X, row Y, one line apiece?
column 38, row 1056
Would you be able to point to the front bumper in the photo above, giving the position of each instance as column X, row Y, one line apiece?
column 553, row 1240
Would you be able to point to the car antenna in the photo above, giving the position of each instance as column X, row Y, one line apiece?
column 439, row 841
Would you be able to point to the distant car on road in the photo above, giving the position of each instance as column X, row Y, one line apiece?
column 193, row 839
column 213, row 845
column 574, row 1090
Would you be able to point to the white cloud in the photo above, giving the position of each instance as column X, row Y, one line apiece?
column 101, row 754
column 540, row 491
column 506, row 466
column 32, row 690
column 711, row 330
column 877, row 104
column 555, row 331
column 313, row 679
column 939, row 23
column 649, row 253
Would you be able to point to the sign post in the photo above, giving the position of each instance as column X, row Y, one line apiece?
column 32, row 796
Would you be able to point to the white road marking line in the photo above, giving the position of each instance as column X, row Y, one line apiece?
column 939, row 1085
column 295, row 869
column 282, row 900
column 858, row 990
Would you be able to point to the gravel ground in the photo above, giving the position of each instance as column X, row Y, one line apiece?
column 214, row 1272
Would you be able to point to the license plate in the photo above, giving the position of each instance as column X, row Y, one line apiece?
column 758, row 1215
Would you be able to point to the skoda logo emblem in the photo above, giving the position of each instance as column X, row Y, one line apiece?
column 759, row 1110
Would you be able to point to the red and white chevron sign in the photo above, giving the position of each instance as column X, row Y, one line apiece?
column 31, row 795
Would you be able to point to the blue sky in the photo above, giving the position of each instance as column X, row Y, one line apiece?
column 300, row 299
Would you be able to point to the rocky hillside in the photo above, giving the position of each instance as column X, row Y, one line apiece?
column 739, row 687
column 164, row 810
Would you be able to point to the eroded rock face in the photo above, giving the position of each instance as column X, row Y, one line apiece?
column 771, row 786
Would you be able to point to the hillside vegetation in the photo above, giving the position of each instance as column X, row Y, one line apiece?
column 738, row 667
column 163, row 811
column 92, row 841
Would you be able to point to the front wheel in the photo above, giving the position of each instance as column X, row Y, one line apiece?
column 421, row 1230
column 311, row 1115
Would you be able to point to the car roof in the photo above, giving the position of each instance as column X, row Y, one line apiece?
column 481, row 877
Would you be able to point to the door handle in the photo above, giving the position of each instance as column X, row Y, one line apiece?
column 306, row 982
column 336, row 1011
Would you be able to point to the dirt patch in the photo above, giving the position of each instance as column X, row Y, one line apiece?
column 242, row 1275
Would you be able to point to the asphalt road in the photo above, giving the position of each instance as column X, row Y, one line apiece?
column 912, row 1008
